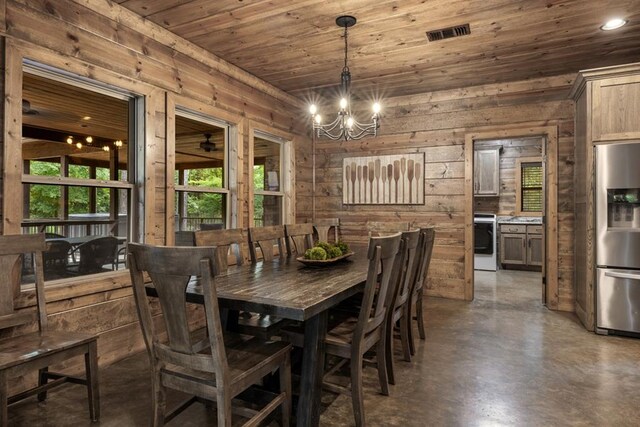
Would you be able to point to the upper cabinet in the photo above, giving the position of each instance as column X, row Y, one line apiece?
column 486, row 173
column 616, row 108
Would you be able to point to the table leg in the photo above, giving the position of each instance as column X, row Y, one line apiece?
column 315, row 330
column 229, row 319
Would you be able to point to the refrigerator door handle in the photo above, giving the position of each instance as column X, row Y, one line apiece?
column 622, row 275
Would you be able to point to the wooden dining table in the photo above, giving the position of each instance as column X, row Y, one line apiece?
column 288, row 289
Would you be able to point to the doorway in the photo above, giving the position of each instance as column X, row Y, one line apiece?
column 508, row 204
column 522, row 221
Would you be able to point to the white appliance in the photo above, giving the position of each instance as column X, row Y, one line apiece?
column 485, row 246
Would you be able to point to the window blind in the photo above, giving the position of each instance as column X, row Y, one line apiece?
column 531, row 187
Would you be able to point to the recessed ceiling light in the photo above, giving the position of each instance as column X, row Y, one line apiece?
column 613, row 24
column 86, row 118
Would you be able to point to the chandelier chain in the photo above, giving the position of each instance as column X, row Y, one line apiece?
column 346, row 46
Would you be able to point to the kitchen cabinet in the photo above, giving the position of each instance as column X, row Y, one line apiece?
column 486, row 172
column 521, row 245
column 607, row 110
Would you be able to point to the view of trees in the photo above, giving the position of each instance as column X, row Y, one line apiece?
column 44, row 200
column 204, row 205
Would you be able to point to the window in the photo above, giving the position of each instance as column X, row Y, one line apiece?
column 77, row 175
column 268, row 191
column 201, row 176
column 529, row 186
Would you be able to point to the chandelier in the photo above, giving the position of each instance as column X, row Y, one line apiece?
column 345, row 126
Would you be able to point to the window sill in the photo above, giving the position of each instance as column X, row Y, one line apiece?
column 62, row 289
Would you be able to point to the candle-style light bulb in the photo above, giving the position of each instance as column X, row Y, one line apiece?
column 79, row 144
column 313, row 109
column 350, row 122
column 318, row 119
column 343, row 103
column 376, row 108
column 70, row 140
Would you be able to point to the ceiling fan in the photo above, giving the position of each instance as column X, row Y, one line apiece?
column 27, row 110
column 207, row 145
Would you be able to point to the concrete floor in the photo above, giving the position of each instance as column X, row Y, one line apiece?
column 503, row 359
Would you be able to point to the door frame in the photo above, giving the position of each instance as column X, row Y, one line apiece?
column 550, row 161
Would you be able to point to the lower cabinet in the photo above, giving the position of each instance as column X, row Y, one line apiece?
column 521, row 245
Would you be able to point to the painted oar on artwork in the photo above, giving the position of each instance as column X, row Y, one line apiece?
column 371, row 178
column 396, row 176
column 410, row 172
column 359, row 183
column 353, row 182
column 377, row 173
column 365, row 174
column 390, row 177
column 403, row 169
column 347, row 174
column 417, row 174
column 384, row 184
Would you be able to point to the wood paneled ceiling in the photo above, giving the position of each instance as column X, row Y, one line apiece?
column 297, row 47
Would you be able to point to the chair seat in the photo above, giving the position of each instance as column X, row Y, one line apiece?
column 25, row 348
column 246, row 357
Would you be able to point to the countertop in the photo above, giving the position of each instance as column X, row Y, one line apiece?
column 536, row 220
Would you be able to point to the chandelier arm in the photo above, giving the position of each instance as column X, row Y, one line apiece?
column 365, row 132
column 329, row 135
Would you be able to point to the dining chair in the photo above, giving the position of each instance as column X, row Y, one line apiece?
column 228, row 242
column 399, row 306
column 94, row 255
column 56, row 259
column 23, row 353
column 354, row 336
column 264, row 238
column 380, row 228
column 427, row 236
column 216, row 368
column 299, row 238
column 323, row 226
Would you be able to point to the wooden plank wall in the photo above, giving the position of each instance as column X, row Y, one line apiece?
column 435, row 123
column 102, row 41
column 512, row 149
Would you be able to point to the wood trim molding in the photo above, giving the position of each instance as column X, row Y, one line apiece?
column 12, row 202
column 601, row 73
column 518, row 169
column 551, row 221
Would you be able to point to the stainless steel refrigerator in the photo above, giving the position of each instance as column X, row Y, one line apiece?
column 618, row 238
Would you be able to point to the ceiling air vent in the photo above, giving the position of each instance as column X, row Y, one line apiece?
column 447, row 33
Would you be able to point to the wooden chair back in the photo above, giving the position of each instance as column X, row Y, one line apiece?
column 96, row 253
column 379, row 228
column 12, row 250
column 170, row 270
column 299, row 238
column 383, row 266
column 225, row 241
column 428, row 236
column 409, row 269
column 323, row 226
column 265, row 238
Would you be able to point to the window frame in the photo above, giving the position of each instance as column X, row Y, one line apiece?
column 136, row 132
column 228, row 127
column 518, row 166
column 284, row 189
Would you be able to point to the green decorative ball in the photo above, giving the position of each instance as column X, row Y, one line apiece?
column 315, row 254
